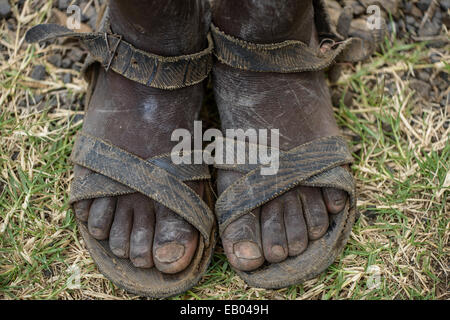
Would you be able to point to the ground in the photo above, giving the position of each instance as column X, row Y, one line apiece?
column 393, row 108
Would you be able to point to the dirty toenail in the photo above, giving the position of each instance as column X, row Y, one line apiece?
column 141, row 263
column 317, row 232
column 96, row 232
column 247, row 250
column 169, row 252
column 119, row 252
column 278, row 251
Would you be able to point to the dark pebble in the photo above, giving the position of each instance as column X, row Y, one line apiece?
column 66, row 63
column 5, row 9
column 38, row 73
column 423, row 75
column 435, row 58
column 445, row 5
column 78, row 117
column 63, row 4
column 76, row 55
column 37, row 98
column 67, row 78
column 14, row 155
column 55, row 60
column 423, row 4
column 47, row 273
column 421, row 88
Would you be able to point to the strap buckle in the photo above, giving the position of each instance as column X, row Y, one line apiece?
column 111, row 53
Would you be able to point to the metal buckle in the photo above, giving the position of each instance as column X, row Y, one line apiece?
column 113, row 52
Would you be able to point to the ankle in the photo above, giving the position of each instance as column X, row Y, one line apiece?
column 266, row 21
column 168, row 28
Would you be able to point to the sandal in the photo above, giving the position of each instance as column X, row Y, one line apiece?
column 118, row 172
column 314, row 164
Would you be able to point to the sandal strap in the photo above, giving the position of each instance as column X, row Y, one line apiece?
column 284, row 57
column 295, row 56
column 137, row 65
column 314, row 164
column 118, row 172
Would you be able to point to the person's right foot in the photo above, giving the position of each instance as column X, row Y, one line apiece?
column 141, row 119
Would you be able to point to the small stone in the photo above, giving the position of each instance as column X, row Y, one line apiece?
column 445, row 5
column 5, row 9
column 67, row 78
column 38, row 73
column 76, row 55
column 37, row 98
column 416, row 12
column 66, row 63
column 435, row 58
column 423, row 75
column 78, row 117
column 63, row 4
column 422, row 88
column 429, row 29
column 433, row 27
column 410, row 20
column 423, row 4
column 55, row 60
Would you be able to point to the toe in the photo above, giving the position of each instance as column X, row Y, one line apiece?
column 273, row 232
column 81, row 209
column 174, row 243
column 101, row 214
column 242, row 242
column 294, row 223
column 315, row 212
column 119, row 236
column 241, row 239
column 141, row 240
column 335, row 199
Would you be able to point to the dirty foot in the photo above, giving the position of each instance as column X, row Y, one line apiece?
column 299, row 105
column 141, row 119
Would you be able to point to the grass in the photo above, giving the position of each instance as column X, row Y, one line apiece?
column 402, row 157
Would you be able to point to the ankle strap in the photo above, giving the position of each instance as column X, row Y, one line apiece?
column 146, row 68
column 284, row 57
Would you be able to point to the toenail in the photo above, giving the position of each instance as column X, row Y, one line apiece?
column 169, row 252
column 141, row 263
column 317, row 232
column 96, row 232
column 278, row 251
column 247, row 250
column 119, row 252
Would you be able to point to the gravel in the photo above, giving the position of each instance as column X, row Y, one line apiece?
column 5, row 9
column 38, row 73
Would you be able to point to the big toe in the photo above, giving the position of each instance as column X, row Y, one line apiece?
column 174, row 243
column 242, row 242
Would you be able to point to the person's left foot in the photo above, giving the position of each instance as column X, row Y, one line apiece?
column 299, row 105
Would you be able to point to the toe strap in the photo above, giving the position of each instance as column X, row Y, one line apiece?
column 117, row 172
column 316, row 164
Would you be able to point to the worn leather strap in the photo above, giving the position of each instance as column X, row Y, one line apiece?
column 118, row 172
column 317, row 164
column 137, row 65
column 284, row 57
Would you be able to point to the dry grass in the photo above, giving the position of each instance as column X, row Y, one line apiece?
column 399, row 139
